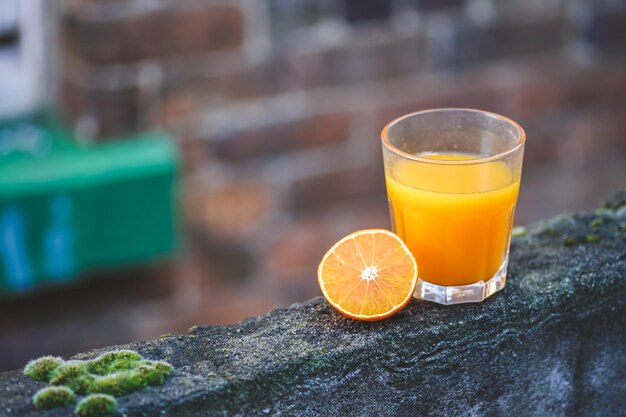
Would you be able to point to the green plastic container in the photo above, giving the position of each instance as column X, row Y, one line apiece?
column 66, row 208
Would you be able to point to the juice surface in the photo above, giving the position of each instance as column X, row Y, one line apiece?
column 456, row 219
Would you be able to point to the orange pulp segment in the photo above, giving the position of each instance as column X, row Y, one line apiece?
column 368, row 275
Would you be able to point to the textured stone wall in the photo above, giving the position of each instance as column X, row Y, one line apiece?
column 552, row 343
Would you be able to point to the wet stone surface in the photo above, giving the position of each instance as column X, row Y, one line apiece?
column 552, row 343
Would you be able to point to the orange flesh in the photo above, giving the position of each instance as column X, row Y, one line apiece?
column 368, row 275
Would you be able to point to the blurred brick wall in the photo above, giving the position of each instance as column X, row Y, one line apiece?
column 277, row 106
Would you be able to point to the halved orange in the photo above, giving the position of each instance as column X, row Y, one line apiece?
column 368, row 275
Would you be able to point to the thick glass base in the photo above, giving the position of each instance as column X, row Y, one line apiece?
column 457, row 294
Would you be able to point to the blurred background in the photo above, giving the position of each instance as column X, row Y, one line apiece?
column 171, row 163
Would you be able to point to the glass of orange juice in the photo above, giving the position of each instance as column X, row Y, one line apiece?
column 452, row 177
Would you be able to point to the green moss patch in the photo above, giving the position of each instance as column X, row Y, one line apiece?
column 51, row 397
column 112, row 374
column 519, row 231
column 41, row 369
column 96, row 405
column 68, row 372
column 110, row 362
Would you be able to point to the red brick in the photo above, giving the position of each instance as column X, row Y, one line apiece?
column 230, row 211
column 261, row 79
column 156, row 34
column 540, row 89
column 603, row 87
column 593, row 137
column 187, row 93
column 187, row 90
column 115, row 111
column 475, row 44
column 544, row 136
column 537, row 98
column 340, row 187
column 357, row 62
column 559, row 90
column 458, row 93
column 222, row 259
column 296, row 250
column 194, row 155
column 181, row 102
column 575, row 139
column 221, row 223
column 304, row 133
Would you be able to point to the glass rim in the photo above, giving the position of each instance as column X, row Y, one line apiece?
column 386, row 142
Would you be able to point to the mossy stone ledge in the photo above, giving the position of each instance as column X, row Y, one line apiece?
column 552, row 343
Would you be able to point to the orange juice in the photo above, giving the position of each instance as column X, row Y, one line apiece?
column 455, row 219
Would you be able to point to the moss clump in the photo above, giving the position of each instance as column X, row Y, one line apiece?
column 124, row 382
column 68, row 372
column 519, row 231
column 569, row 241
column 51, row 397
column 154, row 372
column 116, row 360
column 96, row 405
column 42, row 368
column 162, row 367
column 602, row 211
column 82, row 384
column 592, row 238
column 120, row 383
column 597, row 222
column 114, row 373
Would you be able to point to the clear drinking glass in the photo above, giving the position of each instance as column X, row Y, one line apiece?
column 452, row 177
